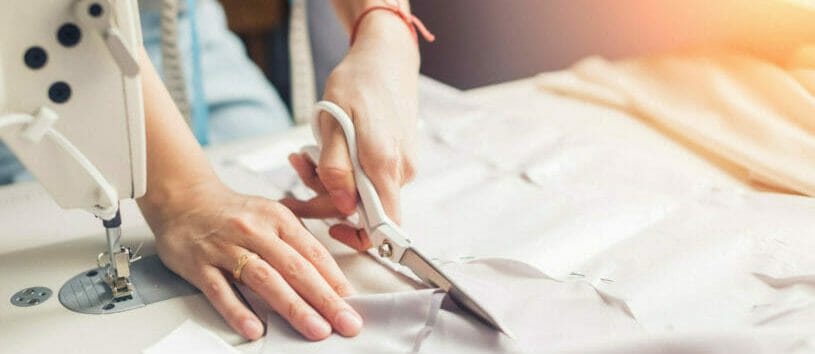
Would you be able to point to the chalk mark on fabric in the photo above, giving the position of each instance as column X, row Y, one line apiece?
column 775, row 282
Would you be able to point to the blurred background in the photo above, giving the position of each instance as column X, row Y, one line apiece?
column 481, row 42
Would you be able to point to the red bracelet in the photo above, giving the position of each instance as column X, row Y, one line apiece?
column 410, row 21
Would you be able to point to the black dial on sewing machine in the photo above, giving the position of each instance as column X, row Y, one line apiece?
column 35, row 57
column 69, row 35
column 59, row 92
column 95, row 10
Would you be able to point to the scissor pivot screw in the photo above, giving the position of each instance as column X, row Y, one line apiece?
column 385, row 249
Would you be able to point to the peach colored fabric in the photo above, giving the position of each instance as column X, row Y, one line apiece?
column 753, row 116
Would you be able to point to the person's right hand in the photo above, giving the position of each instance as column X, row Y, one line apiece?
column 203, row 231
column 377, row 86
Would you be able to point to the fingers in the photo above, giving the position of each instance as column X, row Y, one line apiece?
column 307, row 172
column 322, row 207
column 334, row 169
column 319, row 207
column 386, row 161
column 351, row 236
column 389, row 193
column 216, row 288
column 273, row 288
column 309, row 247
column 303, row 277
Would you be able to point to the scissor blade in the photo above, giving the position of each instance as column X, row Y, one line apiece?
column 431, row 274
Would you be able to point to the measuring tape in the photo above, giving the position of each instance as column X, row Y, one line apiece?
column 301, row 63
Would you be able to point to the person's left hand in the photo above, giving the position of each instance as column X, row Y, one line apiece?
column 376, row 84
column 204, row 230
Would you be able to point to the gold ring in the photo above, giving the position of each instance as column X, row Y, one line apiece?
column 236, row 271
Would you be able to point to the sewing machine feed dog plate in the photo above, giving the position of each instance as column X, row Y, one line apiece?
column 88, row 292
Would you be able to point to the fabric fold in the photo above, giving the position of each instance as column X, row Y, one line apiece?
column 747, row 110
column 543, row 312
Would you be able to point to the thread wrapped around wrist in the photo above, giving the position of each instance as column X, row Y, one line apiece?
column 410, row 20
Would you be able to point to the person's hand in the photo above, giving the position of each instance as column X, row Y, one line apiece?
column 202, row 233
column 376, row 84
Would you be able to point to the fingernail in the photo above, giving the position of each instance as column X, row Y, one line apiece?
column 251, row 328
column 317, row 327
column 348, row 323
column 343, row 201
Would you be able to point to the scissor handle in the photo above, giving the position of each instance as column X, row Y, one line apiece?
column 371, row 212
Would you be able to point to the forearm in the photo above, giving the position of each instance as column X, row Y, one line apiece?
column 175, row 161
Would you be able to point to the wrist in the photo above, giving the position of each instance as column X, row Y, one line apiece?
column 359, row 6
column 386, row 32
column 166, row 200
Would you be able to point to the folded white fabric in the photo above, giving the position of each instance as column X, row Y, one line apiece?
column 191, row 338
column 749, row 112
column 393, row 323
column 543, row 314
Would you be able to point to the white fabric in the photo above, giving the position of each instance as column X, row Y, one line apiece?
column 545, row 312
column 649, row 246
column 680, row 248
column 191, row 338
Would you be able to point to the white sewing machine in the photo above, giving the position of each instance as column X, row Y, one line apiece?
column 71, row 110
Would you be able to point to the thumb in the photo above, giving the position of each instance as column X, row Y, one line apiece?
column 334, row 168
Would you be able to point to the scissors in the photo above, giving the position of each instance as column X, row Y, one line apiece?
column 389, row 239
